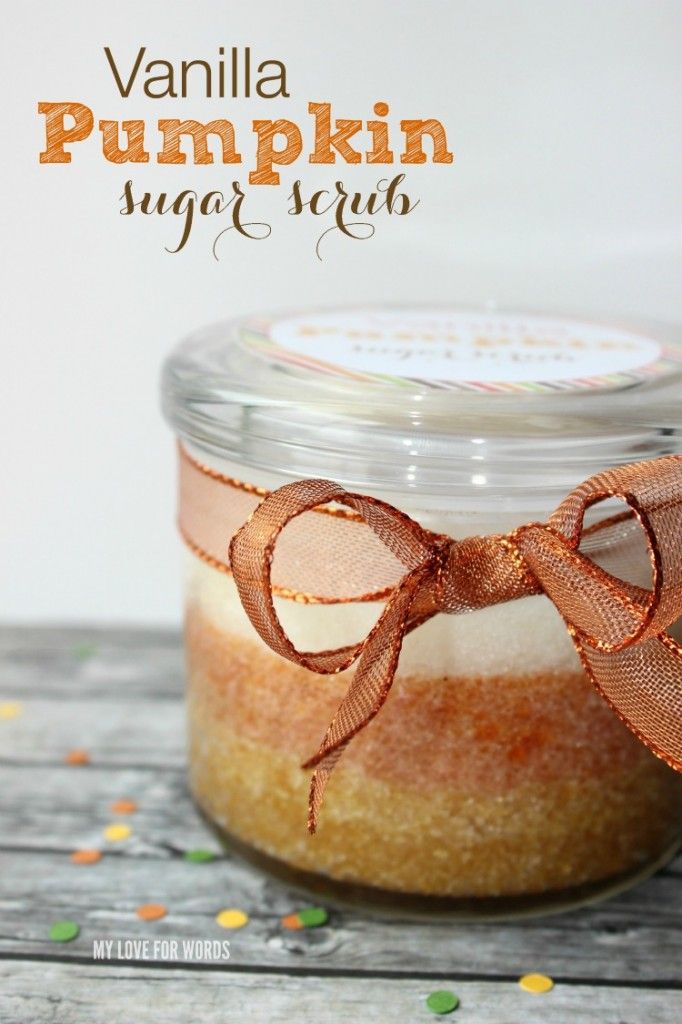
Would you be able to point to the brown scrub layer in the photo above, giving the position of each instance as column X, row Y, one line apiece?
column 460, row 787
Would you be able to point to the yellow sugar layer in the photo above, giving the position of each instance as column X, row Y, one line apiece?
column 531, row 839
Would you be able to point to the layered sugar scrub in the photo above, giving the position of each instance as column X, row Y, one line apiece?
column 493, row 769
column 494, row 776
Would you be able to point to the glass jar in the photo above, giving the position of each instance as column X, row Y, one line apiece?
column 495, row 779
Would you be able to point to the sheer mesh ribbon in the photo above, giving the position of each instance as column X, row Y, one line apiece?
column 618, row 627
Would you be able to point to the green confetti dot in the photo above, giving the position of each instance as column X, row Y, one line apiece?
column 442, row 1001
column 199, row 856
column 84, row 651
column 313, row 917
column 64, row 931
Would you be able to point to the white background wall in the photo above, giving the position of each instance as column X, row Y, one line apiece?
column 566, row 122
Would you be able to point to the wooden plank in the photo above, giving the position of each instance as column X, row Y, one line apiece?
column 117, row 731
column 121, row 698
column 634, row 938
column 45, row 993
column 136, row 742
column 91, row 663
column 57, row 806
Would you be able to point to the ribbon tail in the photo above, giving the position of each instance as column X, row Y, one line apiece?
column 371, row 682
column 643, row 684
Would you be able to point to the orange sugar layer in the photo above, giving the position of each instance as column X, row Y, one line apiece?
column 479, row 735
column 411, row 808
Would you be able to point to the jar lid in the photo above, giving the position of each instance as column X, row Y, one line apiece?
column 432, row 399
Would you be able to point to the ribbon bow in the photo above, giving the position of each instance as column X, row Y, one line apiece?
column 618, row 627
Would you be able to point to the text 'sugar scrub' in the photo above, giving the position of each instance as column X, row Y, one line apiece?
column 493, row 772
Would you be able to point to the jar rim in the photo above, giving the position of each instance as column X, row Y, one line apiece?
column 256, row 391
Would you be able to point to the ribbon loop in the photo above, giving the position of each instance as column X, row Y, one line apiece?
column 617, row 626
column 653, row 493
column 607, row 612
column 251, row 552
column 643, row 685
column 253, row 546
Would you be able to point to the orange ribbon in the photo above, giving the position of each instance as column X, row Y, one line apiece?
column 618, row 627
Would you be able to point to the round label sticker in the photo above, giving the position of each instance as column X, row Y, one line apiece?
column 457, row 349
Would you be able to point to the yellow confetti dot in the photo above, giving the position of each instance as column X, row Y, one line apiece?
column 536, row 983
column 114, row 833
column 232, row 918
column 10, row 709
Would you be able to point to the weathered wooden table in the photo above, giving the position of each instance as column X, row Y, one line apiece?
column 118, row 694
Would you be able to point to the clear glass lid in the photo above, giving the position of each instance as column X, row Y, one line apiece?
column 434, row 399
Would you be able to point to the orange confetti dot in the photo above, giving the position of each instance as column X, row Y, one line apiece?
column 86, row 856
column 151, row 911
column 124, row 807
column 77, row 757
column 292, row 922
